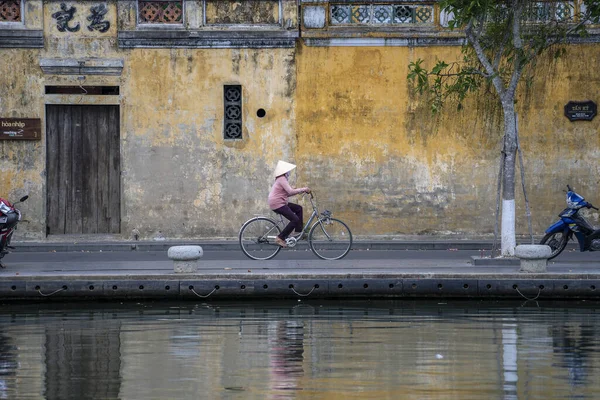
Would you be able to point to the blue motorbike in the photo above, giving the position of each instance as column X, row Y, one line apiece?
column 571, row 223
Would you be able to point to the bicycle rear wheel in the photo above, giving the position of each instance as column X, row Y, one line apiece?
column 257, row 238
column 330, row 239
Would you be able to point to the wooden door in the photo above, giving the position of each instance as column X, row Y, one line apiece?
column 83, row 169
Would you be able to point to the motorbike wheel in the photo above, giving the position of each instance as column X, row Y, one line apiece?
column 557, row 242
column 3, row 251
column 3, row 244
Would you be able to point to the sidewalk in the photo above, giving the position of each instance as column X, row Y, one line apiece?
column 411, row 243
column 141, row 270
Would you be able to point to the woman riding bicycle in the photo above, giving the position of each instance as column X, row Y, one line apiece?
column 278, row 201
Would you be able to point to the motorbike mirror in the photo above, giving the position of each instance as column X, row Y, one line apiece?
column 569, row 188
column 23, row 198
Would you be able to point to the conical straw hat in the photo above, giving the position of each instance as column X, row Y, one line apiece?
column 283, row 167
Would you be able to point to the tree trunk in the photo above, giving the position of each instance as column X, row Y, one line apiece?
column 508, row 179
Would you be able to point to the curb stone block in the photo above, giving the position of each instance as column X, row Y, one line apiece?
column 185, row 258
column 534, row 257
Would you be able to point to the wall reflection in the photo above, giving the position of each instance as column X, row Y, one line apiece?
column 8, row 365
column 375, row 350
column 83, row 361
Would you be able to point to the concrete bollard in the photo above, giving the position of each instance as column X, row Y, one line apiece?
column 185, row 258
column 534, row 257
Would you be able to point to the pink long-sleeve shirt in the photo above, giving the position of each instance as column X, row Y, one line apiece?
column 281, row 190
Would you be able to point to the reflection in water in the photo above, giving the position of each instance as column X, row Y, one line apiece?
column 575, row 345
column 509, row 361
column 8, row 366
column 77, row 351
column 286, row 356
column 328, row 350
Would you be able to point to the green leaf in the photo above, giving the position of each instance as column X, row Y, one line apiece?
column 440, row 66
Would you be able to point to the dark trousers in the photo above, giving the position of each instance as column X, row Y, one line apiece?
column 293, row 212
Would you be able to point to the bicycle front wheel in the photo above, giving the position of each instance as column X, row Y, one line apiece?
column 330, row 239
column 257, row 238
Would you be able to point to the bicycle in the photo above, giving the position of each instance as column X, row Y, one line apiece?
column 328, row 238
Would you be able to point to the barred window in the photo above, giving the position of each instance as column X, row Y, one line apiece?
column 160, row 12
column 10, row 11
column 232, row 128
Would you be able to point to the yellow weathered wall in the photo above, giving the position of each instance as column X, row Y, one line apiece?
column 180, row 176
column 373, row 149
column 363, row 140
column 22, row 162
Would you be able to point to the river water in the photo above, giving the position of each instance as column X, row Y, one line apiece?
column 417, row 349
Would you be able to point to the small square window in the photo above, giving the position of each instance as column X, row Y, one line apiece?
column 10, row 11
column 160, row 12
column 232, row 128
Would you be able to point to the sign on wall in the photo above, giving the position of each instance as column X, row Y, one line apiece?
column 580, row 110
column 20, row 129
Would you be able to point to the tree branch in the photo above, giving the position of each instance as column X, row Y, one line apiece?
column 500, row 51
column 489, row 68
column 518, row 44
column 516, row 24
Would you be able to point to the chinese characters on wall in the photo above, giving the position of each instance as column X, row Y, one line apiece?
column 96, row 18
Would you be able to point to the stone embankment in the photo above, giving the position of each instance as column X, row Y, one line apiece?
column 213, row 271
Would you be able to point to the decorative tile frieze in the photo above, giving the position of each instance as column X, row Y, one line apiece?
column 254, row 12
column 380, row 14
column 209, row 24
column 546, row 11
column 409, row 22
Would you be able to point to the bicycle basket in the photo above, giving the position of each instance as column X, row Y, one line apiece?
column 326, row 214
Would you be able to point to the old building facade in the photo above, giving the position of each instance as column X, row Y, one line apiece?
column 166, row 118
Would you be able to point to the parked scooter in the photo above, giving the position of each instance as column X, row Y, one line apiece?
column 558, row 234
column 9, row 217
